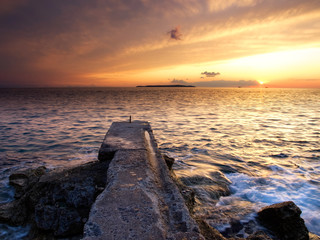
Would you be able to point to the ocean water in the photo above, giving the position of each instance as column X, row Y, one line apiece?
column 264, row 141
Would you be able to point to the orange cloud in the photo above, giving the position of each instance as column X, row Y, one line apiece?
column 61, row 40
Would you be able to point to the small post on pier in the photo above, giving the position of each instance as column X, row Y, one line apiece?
column 130, row 119
column 155, row 208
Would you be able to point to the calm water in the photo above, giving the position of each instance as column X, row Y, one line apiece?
column 265, row 141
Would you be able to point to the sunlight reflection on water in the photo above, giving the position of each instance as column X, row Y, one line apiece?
column 234, row 131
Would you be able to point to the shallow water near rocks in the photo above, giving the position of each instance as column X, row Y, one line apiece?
column 264, row 141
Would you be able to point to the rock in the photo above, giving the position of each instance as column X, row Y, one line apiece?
column 69, row 223
column 13, row 213
column 284, row 220
column 22, row 181
column 62, row 208
column 259, row 235
column 46, row 217
column 56, row 203
column 209, row 232
column 212, row 187
column 313, row 236
column 187, row 193
column 236, row 225
column 169, row 161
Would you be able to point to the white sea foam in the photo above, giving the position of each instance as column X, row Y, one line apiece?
column 8, row 232
column 281, row 185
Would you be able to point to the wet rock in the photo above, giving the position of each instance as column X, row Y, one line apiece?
column 284, row 220
column 22, row 181
column 187, row 193
column 259, row 235
column 209, row 232
column 216, row 191
column 249, row 227
column 13, row 213
column 234, row 229
column 229, row 218
column 313, row 236
column 69, row 223
column 208, row 188
column 236, row 226
column 169, row 161
column 56, row 203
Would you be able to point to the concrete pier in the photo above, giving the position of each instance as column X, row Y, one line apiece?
column 140, row 201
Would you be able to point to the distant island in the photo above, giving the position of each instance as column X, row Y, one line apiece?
column 167, row 86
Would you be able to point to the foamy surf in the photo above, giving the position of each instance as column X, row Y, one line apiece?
column 281, row 185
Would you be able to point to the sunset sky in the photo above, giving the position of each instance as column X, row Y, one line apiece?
column 61, row 43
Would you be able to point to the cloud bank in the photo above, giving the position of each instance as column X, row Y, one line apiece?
column 219, row 83
column 182, row 82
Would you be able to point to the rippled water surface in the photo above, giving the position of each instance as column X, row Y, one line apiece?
column 265, row 141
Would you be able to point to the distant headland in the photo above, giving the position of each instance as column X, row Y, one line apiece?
column 167, row 86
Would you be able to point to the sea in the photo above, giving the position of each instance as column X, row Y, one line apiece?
column 264, row 141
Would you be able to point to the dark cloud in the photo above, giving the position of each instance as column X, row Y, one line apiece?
column 219, row 83
column 210, row 74
column 175, row 33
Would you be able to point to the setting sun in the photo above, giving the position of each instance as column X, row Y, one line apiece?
column 241, row 43
column 230, row 87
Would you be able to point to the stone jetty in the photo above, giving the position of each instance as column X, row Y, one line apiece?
column 141, row 201
column 128, row 193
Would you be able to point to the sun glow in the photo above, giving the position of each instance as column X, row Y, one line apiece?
column 266, row 68
column 280, row 64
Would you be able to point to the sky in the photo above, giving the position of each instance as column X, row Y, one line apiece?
column 124, row 43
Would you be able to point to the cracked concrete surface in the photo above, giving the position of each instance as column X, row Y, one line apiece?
column 140, row 201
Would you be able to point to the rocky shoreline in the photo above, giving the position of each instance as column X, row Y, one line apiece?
column 67, row 203
column 56, row 204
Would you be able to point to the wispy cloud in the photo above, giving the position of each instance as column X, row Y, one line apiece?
column 117, row 36
column 215, row 5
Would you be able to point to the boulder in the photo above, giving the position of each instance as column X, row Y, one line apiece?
column 13, row 213
column 22, row 181
column 284, row 220
column 55, row 203
column 169, row 161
